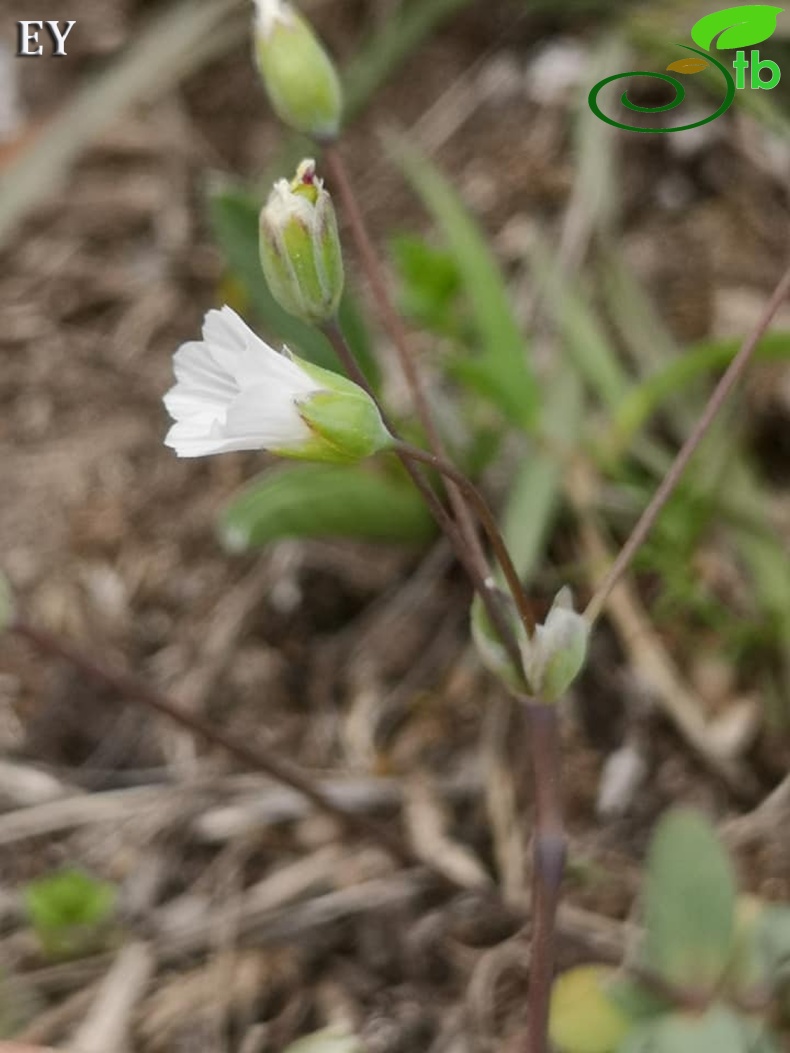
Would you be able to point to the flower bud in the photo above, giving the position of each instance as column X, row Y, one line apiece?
column 555, row 655
column 300, row 249
column 300, row 78
column 490, row 649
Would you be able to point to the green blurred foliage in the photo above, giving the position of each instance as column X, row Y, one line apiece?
column 69, row 912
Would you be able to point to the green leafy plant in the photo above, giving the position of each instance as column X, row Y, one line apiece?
column 70, row 912
column 710, row 973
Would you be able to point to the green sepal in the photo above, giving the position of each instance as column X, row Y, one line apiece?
column 345, row 419
column 490, row 649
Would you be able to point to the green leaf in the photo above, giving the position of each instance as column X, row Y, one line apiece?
column 534, row 494
column 430, row 283
column 67, row 909
column 689, row 902
column 740, row 27
column 500, row 369
column 583, row 1016
column 763, row 946
column 674, row 378
column 588, row 345
column 716, row 1031
column 321, row 500
column 234, row 218
column 635, row 1000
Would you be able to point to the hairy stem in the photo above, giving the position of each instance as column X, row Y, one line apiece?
column 487, row 520
column 548, row 855
column 482, row 584
column 394, row 326
column 668, row 485
column 256, row 757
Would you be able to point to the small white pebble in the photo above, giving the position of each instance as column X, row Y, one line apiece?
column 555, row 69
column 622, row 775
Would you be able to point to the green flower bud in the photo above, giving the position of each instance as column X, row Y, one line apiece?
column 555, row 655
column 299, row 76
column 490, row 649
column 300, row 248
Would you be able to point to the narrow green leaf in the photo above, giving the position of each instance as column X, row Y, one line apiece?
column 318, row 500
column 643, row 401
column 736, row 27
column 534, row 495
column 589, row 348
column 689, row 902
column 500, row 370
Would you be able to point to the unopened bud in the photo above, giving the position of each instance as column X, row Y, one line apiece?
column 555, row 655
column 300, row 248
column 492, row 652
column 300, row 78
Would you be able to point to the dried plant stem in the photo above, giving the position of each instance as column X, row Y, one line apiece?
column 481, row 583
column 548, row 854
column 722, row 390
column 256, row 757
column 394, row 326
column 487, row 520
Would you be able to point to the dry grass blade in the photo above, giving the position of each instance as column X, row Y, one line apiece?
column 175, row 43
column 108, row 1022
column 649, row 658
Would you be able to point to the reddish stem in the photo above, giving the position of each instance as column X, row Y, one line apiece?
column 548, row 855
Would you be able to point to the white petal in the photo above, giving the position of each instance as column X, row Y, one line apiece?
column 248, row 358
column 196, row 367
column 182, row 402
column 234, row 392
column 205, row 446
column 275, row 422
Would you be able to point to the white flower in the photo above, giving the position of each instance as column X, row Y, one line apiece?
column 234, row 392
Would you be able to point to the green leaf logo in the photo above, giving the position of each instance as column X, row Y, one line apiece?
column 736, row 27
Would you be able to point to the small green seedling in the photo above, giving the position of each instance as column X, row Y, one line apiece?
column 711, row 974
column 70, row 912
